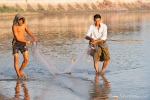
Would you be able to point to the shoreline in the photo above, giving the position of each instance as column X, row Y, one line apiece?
column 14, row 13
column 4, row 14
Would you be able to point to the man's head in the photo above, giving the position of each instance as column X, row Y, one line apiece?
column 19, row 20
column 97, row 19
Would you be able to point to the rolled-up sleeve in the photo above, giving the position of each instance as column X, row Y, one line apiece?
column 104, row 34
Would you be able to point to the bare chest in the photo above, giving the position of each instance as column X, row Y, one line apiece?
column 21, row 30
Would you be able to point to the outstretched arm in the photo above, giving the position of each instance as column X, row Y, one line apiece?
column 30, row 34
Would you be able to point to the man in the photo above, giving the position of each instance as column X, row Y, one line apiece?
column 97, row 34
column 19, row 43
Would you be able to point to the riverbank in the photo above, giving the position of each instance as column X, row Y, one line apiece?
column 27, row 13
column 6, row 14
column 71, row 7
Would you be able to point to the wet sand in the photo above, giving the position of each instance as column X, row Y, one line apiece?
column 62, row 38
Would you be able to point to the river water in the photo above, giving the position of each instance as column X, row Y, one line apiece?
column 62, row 38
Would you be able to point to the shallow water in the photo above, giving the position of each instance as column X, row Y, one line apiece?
column 62, row 38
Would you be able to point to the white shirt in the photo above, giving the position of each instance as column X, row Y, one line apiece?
column 96, row 33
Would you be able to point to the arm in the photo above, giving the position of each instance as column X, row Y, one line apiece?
column 96, row 41
column 89, row 38
column 88, row 34
column 30, row 34
column 15, row 32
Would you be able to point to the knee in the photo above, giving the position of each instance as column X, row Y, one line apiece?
column 95, row 62
column 16, row 59
column 25, row 61
column 106, row 61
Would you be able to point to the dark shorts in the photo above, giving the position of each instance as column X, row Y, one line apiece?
column 19, row 46
column 102, row 54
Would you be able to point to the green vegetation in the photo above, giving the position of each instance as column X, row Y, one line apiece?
column 30, row 10
column 40, row 10
column 61, row 9
column 37, row 10
column 10, row 9
column 138, row 8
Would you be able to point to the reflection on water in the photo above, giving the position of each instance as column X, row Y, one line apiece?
column 52, row 27
column 100, row 90
column 63, row 38
column 18, row 94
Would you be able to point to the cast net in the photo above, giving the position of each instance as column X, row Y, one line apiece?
column 39, row 55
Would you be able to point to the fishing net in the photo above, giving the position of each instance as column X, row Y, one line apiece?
column 39, row 55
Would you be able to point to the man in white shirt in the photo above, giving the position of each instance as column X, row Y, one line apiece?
column 97, row 35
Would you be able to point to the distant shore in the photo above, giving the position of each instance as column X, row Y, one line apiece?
column 34, row 7
column 8, row 13
column 10, row 9
column 12, row 14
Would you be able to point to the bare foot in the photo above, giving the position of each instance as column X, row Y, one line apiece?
column 22, row 74
column 18, row 76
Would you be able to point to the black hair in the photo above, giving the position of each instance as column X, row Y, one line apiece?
column 97, row 16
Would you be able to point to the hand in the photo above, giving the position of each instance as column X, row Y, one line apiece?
column 94, row 42
column 34, row 39
column 28, row 42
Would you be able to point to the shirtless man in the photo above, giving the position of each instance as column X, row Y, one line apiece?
column 97, row 35
column 19, row 43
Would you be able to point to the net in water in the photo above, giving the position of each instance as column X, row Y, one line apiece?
column 38, row 54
